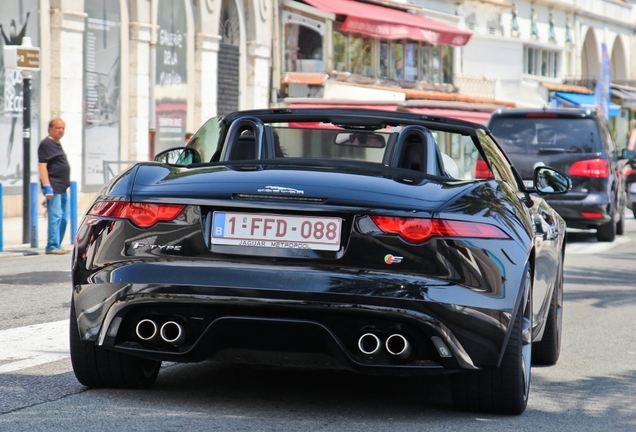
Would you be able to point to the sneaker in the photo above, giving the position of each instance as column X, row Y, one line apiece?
column 57, row 252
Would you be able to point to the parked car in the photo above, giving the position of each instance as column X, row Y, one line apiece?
column 578, row 143
column 339, row 238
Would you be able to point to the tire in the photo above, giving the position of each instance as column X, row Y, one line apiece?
column 606, row 232
column 97, row 367
column 503, row 389
column 620, row 225
column 634, row 211
column 546, row 351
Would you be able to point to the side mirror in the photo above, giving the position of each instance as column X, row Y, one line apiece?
column 627, row 154
column 548, row 181
column 169, row 156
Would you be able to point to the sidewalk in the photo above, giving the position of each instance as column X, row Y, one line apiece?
column 12, row 238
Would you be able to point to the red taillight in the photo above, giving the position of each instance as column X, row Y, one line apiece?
column 482, row 170
column 596, row 168
column 592, row 215
column 418, row 230
column 144, row 215
column 628, row 171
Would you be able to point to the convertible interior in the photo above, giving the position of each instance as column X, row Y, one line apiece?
column 414, row 147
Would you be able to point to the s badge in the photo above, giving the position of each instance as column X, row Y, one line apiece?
column 392, row 259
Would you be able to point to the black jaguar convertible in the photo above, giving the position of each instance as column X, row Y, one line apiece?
column 376, row 242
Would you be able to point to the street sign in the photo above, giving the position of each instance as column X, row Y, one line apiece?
column 22, row 57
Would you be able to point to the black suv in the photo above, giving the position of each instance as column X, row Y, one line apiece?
column 578, row 143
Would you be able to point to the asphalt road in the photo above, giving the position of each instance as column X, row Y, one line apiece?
column 592, row 388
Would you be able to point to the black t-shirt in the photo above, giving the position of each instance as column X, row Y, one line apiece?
column 52, row 154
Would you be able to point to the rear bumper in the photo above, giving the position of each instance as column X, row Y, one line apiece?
column 274, row 327
column 571, row 211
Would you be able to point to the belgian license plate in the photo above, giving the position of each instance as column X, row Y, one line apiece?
column 276, row 231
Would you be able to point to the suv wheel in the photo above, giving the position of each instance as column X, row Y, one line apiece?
column 620, row 225
column 606, row 232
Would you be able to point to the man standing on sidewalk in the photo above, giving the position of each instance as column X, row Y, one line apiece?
column 55, row 176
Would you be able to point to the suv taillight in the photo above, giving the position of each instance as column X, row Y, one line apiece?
column 596, row 168
column 482, row 171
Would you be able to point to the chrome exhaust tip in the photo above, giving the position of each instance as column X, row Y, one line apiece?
column 146, row 330
column 398, row 346
column 172, row 333
column 369, row 344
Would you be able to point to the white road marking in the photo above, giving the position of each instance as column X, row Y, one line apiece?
column 594, row 248
column 33, row 345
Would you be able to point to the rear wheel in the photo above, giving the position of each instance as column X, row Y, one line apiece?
column 547, row 351
column 606, row 232
column 503, row 389
column 620, row 225
column 97, row 367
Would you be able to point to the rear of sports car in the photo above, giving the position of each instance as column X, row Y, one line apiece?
column 279, row 265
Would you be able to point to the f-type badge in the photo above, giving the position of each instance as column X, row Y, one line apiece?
column 282, row 190
column 392, row 259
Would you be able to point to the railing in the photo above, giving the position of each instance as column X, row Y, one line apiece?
column 482, row 87
column 109, row 171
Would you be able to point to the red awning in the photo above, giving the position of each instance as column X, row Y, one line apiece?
column 386, row 23
column 471, row 116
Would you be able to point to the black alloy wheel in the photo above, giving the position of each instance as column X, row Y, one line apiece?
column 504, row 389
column 546, row 351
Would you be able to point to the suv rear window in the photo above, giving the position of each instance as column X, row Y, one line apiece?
column 531, row 135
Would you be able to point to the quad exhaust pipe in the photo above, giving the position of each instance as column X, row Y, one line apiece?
column 170, row 332
column 146, row 330
column 173, row 333
column 369, row 344
column 396, row 345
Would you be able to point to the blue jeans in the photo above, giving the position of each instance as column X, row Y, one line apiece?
column 58, row 215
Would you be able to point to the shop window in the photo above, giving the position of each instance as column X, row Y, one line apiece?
column 402, row 60
column 303, row 49
column 435, row 66
column 446, row 53
column 385, row 59
column 397, row 61
column 340, row 51
column 360, row 55
column 411, row 61
column 425, row 59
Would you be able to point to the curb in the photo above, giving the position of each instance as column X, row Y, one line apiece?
column 20, row 252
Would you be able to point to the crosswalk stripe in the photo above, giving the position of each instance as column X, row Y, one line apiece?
column 33, row 345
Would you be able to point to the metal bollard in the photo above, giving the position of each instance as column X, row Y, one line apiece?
column 73, row 211
column 33, row 220
column 1, row 219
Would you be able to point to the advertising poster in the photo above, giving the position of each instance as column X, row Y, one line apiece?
column 171, row 75
column 102, row 77
column 18, row 18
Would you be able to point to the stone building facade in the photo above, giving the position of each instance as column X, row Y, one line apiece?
column 129, row 77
